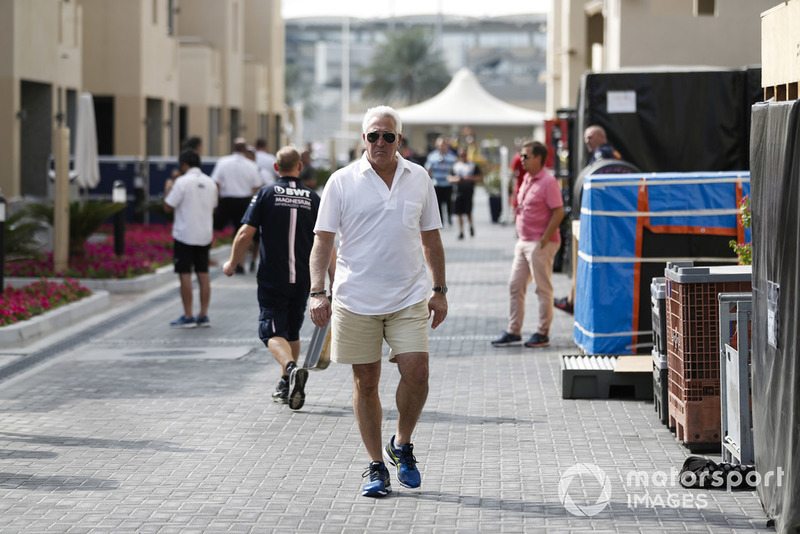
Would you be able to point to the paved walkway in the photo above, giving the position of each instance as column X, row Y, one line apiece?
column 128, row 426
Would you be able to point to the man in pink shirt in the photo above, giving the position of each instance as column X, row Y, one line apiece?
column 540, row 209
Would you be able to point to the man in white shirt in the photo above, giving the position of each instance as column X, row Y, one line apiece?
column 193, row 197
column 266, row 163
column 385, row 211
column 238, row 179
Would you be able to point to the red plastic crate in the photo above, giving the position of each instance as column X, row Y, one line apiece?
column 693, row 357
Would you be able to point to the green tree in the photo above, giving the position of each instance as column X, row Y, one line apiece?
column 299, row 90
column 408, row 67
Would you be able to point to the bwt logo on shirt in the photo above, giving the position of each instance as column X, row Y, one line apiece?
column 292, row 192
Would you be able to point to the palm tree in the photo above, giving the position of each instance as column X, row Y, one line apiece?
column 408, row 67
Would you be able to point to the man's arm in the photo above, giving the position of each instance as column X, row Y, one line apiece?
column 552, row 226
column 239, row 250
column 321, row 257
column 434, row 256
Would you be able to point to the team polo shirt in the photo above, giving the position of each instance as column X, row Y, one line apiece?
column 380, row 268
column 193, row 197
column 538, row 196
column 284, row 213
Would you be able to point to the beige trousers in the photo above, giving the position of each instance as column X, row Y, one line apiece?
column 531, row 261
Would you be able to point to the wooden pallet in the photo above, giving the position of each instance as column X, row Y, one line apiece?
column 780, row 51
column 782, row 92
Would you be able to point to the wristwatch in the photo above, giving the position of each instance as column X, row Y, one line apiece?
column 441, row 289
column 317, row 293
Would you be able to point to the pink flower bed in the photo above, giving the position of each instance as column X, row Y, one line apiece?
column 34, row 299
column 147, row 247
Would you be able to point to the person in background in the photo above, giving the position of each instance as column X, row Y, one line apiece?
column 594, row 137
column 517, row 174
column 283, row 215
column 193, row 197
column 193, row 143
column 383, row 207
column 237, row 179
column 464, row 175
column 438, row 165
column 539, row 213
column 308, row 174
column 265, row 162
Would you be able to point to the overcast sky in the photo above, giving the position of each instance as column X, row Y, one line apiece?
column 388, row 8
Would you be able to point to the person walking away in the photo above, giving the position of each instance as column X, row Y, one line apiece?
column 539, row 213
column 384, row 210
column 438, row 165
column 193, row 197
column 283, row 215
column 308, row 174
column 265, row 162
column 464, row 175
column 238, row 179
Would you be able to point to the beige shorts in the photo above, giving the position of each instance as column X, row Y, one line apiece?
column 359, row 338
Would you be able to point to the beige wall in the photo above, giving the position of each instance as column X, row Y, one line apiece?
column 646, row 33
column 265, row 43
column 221, row 25
column 129, row 54
column 40, row 41
column 122, row 49
column 657, row 32
column 255, row 100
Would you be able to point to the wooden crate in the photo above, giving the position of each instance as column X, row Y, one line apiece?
column 780, row 51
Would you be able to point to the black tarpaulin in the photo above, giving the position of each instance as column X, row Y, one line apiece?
column 775, row 182
column 664, row 120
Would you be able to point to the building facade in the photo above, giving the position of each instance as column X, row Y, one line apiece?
column 607, row 35
column 159, row 71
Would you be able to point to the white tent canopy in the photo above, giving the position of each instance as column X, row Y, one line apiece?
column 465, row 102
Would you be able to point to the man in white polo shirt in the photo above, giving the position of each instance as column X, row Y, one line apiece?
column 193, row 197
column 385, row 211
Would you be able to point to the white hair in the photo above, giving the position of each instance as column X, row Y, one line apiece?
column 382, row 111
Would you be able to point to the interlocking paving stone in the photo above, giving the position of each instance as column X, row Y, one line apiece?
column 183, row 443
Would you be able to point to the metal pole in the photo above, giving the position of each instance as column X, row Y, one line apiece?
column 119, row 195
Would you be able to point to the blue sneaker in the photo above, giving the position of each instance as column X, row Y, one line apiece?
column 183, row 322
column 379, row 485
column 403, row 459
column 203, row 321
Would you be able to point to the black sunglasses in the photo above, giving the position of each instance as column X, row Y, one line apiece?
column 524, row 156
column 389, row 137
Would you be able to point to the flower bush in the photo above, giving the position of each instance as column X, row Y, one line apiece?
column 744, row 251
column 34, row 299
column 147, row 247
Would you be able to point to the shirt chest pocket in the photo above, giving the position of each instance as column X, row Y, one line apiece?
column 411, row 214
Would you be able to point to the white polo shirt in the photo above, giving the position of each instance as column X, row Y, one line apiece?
column 380, row 267
column 194, row 197
column 237, row 176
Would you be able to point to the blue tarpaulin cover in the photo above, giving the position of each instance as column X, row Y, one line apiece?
column 617, row 211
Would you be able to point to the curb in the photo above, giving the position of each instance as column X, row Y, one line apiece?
column 26, row 332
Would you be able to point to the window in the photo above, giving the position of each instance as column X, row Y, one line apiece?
column 705, row 8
